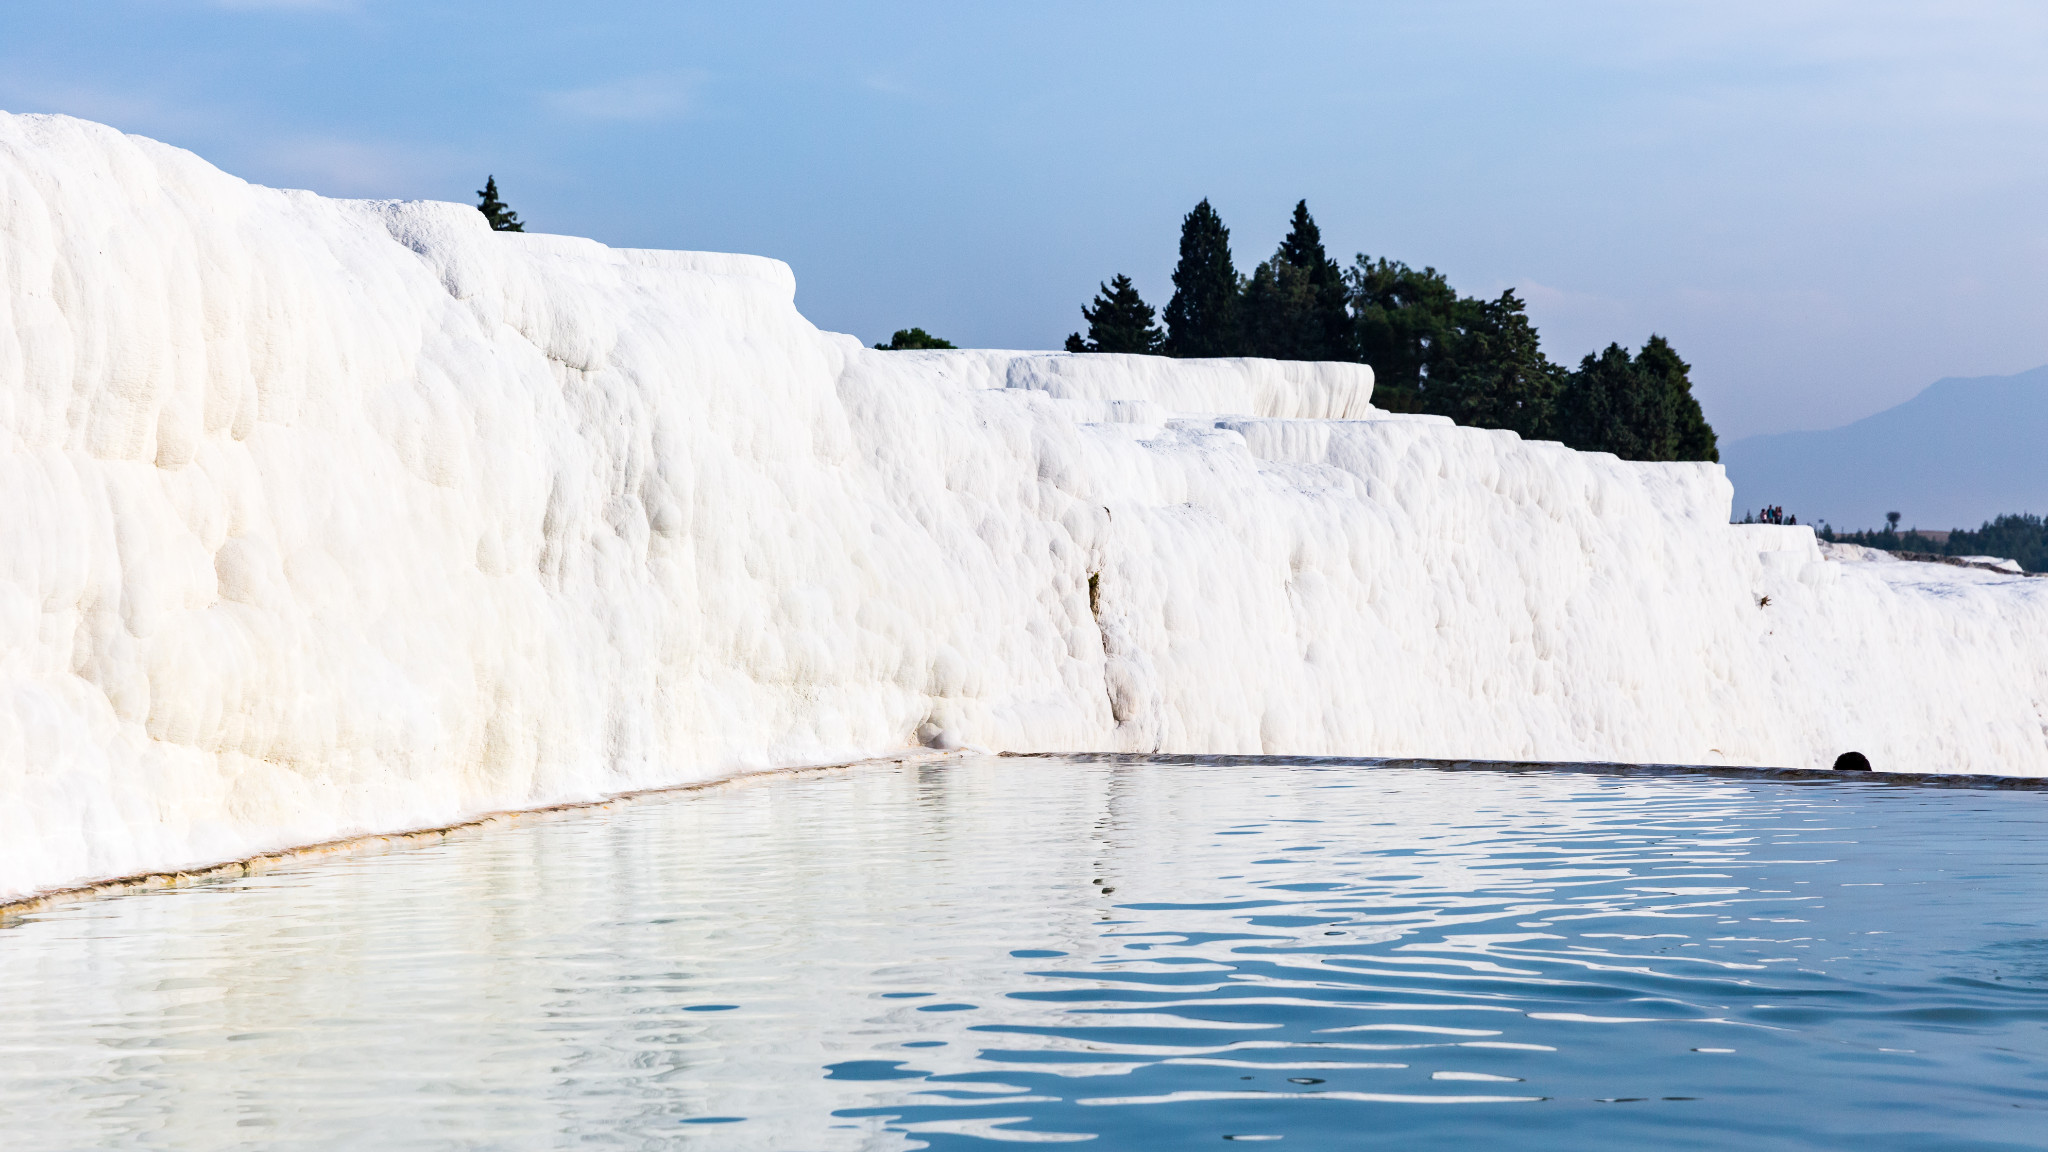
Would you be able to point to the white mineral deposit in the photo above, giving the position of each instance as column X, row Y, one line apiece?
column 332, row 517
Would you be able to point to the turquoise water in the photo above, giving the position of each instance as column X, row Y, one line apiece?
column 1136, row 955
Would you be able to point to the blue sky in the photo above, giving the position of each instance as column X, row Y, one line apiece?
column 1825, row 206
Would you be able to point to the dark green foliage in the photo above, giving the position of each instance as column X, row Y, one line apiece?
column 1890, row 539
column 1402, row 319
column 502, row 219
column 1490, row 371
column 1479, row 362
column 1118, row 321
column 906, row 338
column 1639, row 408
column 1603, row 410
column 2019, row 536
column 1201, row 319
column 1691, row 437
column 1276, row 314
column 1294, row 306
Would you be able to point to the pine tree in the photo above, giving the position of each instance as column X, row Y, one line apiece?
column 1602, row 410
column 1480, row 363
column 1491, row 372
column 913, row 338
column 1639, row 408
column 2020, row 537
column 1403, row 320
column 1119, row 321
column 502, row 219
column 1278, row 314
column 1201, row 319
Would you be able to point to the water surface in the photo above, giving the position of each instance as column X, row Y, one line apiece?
column 1136, row 955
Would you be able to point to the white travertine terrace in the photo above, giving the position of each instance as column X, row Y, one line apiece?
column 333, row 517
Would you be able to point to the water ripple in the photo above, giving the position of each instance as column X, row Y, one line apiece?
column 1138, row 955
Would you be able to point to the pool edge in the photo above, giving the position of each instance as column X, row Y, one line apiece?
column 373, row 843
column 1978, row 781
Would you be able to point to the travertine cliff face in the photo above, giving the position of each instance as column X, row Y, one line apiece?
column 326, row 517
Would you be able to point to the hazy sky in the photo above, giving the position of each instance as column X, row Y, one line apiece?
column 1825, row 206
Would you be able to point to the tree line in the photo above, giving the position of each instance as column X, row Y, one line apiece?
column 2020, row 536
column 1431, row 350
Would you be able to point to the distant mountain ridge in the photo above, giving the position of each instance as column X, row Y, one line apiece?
column 1962, row 451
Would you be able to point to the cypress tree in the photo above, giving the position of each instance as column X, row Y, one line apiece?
column 1260, row 320
column 1325, row 328
column 1201, row 319
column 1119, row 321
column 1690, row 436
column 1268, row 310
column 1293, row 306
column 502, row 219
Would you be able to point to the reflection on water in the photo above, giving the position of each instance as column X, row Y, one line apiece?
column 1142, row 955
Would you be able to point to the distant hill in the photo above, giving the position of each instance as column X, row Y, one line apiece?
column 1959, row 453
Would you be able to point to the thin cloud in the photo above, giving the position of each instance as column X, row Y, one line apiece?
column 658, row 96
column 887, row 85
